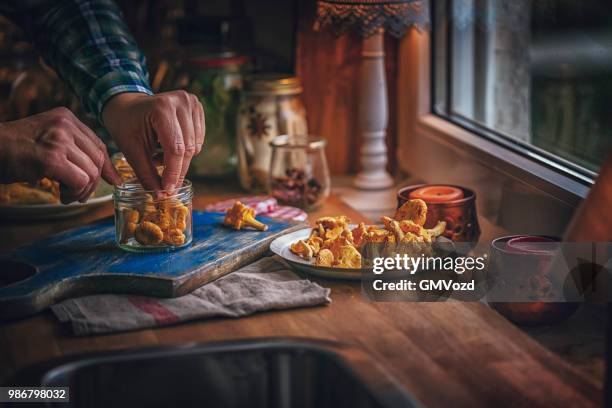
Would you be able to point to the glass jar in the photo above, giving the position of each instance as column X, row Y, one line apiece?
column 146, row 221
column 216, row 79
column 299, row 175
column 270, row 106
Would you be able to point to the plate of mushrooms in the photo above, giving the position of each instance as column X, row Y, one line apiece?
column 335, row 248
column 40, row 200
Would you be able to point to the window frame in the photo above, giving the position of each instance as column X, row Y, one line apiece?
column 417, row 119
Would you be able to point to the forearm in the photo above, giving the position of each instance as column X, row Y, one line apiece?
column 89, row 45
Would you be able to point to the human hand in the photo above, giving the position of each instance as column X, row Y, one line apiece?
column 139, row 122
column 56, row 145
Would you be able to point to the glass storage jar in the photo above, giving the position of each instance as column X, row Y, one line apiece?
column 299, row 175
column 270, row 106
column 216, row 79
column 146, row 221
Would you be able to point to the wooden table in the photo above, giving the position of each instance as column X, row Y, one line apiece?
column 458, row 354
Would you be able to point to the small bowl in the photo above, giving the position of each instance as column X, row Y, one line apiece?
column 518, row 272
column 460, row 215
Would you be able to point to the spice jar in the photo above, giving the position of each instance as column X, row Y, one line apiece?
column 146, row 221
column 270, row 107
column 299, row 175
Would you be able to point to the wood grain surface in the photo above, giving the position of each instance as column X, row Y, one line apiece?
column 446, row 354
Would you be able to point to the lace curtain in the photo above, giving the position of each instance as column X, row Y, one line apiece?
column 367, row 16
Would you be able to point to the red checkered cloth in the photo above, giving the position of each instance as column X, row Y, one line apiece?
column 261, row 204
column 265, row 206
column 288, row 213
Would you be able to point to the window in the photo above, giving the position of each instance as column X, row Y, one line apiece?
column 533, row 76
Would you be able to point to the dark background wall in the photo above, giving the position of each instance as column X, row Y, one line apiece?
column 278, row 35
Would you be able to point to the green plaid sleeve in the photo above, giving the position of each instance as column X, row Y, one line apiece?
column 90, row 47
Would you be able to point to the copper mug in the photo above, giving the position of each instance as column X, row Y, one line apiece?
column 459, row 215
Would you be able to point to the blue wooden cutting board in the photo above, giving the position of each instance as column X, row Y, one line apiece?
column 85, row 261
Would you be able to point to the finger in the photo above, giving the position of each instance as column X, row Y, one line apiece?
column 73, row 179
column 202, row 122
column 187, row 128
column 86, row 153
column 87, row 194
column 96, row 150
column 197, row 113
column 84, row 162
column 94, row 184
column 170, row 137
column 143, row 166
column 109, row 172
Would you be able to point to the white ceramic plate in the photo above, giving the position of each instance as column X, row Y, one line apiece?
column 281, row 247
column 104, row 193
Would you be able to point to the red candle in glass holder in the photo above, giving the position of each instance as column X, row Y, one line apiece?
column 437, row 194
column 531, row 245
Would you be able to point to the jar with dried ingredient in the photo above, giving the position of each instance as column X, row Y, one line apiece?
column 299, row 175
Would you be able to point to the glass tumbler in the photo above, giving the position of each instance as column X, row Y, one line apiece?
column 299, row 175
column 522, row 284
column 146, row 221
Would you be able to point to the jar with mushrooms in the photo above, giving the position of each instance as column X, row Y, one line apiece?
column 152, row 221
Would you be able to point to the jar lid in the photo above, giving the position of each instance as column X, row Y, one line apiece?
column 271, row 83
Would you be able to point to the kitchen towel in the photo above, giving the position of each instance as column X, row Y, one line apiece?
column 266, row 206
column 266, row 284
column 261, row 204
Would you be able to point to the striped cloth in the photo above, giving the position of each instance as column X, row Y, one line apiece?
column 288, row 213
column 267, row 284
column 266, row 206
column 261, row 204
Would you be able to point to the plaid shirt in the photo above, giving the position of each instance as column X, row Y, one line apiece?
column 87, row 43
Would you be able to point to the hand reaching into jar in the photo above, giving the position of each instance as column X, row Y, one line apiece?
column 139, row 123
column 112, row 83
column 56, row 145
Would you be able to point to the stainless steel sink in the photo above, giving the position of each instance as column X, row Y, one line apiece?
column 274, row 373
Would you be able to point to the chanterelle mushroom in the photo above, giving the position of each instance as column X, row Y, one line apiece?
column 414, row 210
column 302, row 249
column 325, row 258
column 240, row 216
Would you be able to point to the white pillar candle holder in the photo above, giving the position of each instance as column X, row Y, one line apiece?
column 373, row 116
